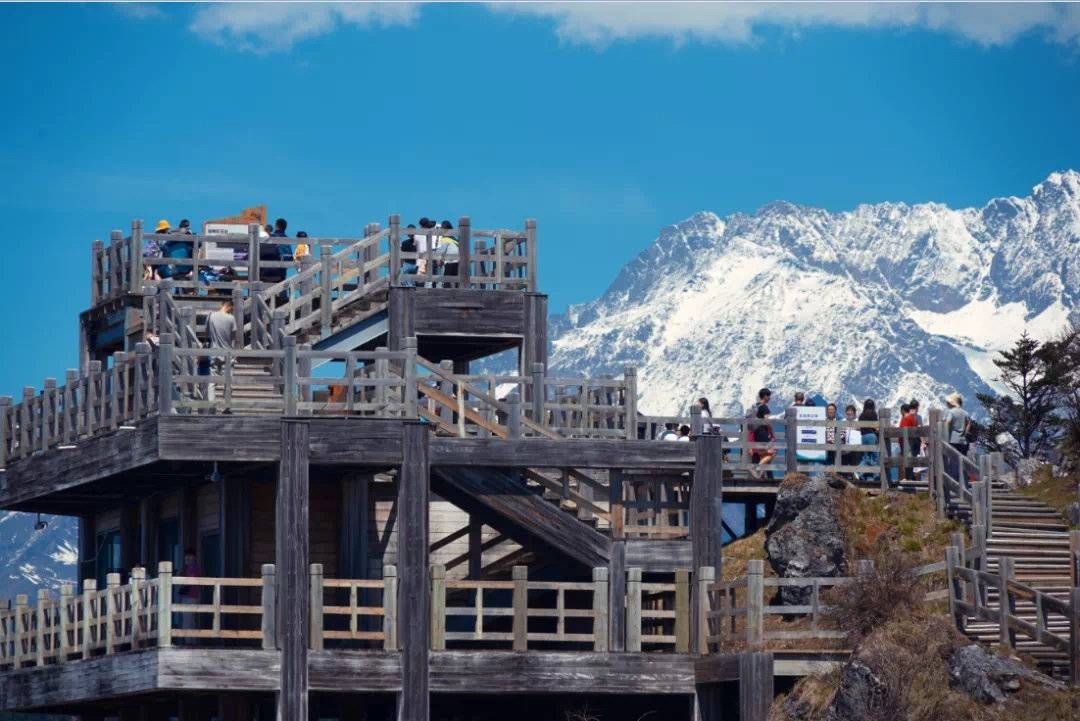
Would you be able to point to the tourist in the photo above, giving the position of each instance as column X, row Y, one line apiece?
column 152, row 249
column 869, row 436
column 302, row 249
column 800, row 399
column 916, row 443
column 684, row 434
column 830, row 434
column 408, row 265
column 184, row 228
column 273, row 252
column 174, row 249
column 706, row 415
column 908, row 453
column 449, row 252
column 221, row 331
column 958, row 424
column 424, row 242
column 763, row 397
column 670, row 432
column 762, row 433
column 852, row 437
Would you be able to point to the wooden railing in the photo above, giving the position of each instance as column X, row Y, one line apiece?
column 340, row 269
column 738, row 611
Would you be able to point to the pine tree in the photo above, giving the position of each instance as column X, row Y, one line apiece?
column 1024, row 422
column 1064, row 353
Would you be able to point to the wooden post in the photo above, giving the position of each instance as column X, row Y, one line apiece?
column 292, row 534
column 536, row 394
column 7, row 431
column 682, row 610
column 1006, row 603
column 530, row 251
column 520, row 575
column 326, row 305
column 464, row 251
column 253, row 253
column 315, row 586
column 410, row 391
column 633, row 610
column 700, row 610
column 933, row 455
column 696, row 422
column 951, row 557
column 402, row 320
column 616, row 509
column 355, row 525
column 21, row 627
column 390, row 604
column 534, row 345
column 617, row 596
column 395, row 249
column 755, row 603
column 630, row 376
column 269, row 607
column 513, row 415
column 68, row 632
column 88, row 621
column 791, row 440
column 986, row 478
column 135, row 263
column 415, row 611
column 164, row 371
column 113, row 607
column 136, row 580
column 438, row 607
column 164, row 604
column 884, row 447
column 1074, row 557
column 97, row 249
column 600, row 610
column 40, row 615
column 290, row 384
column 755, row 685
column 706, row 504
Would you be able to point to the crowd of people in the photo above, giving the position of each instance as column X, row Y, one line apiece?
column 428, row 243
column 760, row 432
column 175, row 246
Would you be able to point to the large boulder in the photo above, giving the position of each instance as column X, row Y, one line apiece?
column 989, row 678
column 860, row 695
column 804, row 538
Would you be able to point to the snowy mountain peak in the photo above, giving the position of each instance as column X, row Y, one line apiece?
column 887, row 300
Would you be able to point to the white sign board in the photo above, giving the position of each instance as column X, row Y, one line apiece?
column 810, row 434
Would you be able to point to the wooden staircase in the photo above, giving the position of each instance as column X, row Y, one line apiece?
column 1037, row 538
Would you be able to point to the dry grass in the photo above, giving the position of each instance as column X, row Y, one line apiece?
column 737, row 553
column 1055, row 491
column 894, row 522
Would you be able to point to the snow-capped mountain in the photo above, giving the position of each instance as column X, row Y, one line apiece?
column 886, row 301
column 33, row 558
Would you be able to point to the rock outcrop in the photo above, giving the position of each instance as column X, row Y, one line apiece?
column 804, row 537
column 989, row 678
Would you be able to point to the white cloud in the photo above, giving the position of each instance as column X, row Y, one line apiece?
column 273, row 26
column 601, row 23
column 139, row 11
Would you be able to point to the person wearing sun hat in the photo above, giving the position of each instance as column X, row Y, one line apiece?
column 151, row 249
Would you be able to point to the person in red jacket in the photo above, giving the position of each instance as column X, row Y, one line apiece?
column 909, row 419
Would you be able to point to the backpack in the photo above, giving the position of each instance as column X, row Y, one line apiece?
column 972, row 431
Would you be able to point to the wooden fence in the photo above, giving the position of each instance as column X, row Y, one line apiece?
column 334, row 268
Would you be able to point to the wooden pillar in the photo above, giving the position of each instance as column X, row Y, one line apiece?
column 235, row 523
column 755, row 685
column 476, row 547
column 292, row 538
column 414, row 608
column 401, row 317
column 534, row 345
column 706, row 517
column 355, row 525
column 617, row 597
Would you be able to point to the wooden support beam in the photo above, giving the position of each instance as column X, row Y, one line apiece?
column 402, row 320
column 617, row 597
column 476, row 542
column 188, row 521
column 534, row 347
column 235, row 523
column 129, row 536
column 415, row 601
column 87, row 548
column 706, row 516
column 292, row 555
column 148, row 531
column 755, row 685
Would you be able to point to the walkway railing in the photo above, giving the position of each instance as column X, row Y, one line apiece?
column 341, row 268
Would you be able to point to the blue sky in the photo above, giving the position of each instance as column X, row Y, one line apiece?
column 604, row 122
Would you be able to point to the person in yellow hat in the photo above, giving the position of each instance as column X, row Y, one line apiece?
column 152, row 249
column 162, row 226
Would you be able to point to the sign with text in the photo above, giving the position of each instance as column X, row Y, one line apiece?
column 810, row 434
